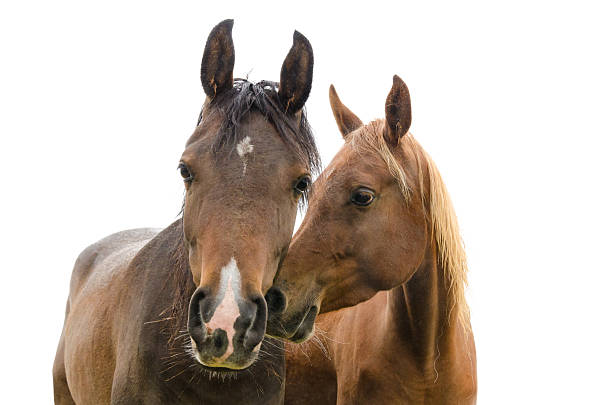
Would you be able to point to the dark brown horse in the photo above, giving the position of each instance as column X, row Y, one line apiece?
column 175, row 316
column 380, row 246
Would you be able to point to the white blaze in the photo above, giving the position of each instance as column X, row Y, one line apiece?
column 227, row 311
column 243, row 148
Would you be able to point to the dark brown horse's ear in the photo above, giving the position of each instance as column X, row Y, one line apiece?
column 398, row 112
column 346, row 120
column 296, row 75
column 217, row 73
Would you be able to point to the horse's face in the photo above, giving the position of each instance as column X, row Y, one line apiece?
column 360, row 234
column 238, row 217
column 242, row 192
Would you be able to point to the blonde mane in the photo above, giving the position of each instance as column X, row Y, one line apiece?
column 444, row 225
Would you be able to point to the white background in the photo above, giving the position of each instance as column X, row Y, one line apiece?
column 512, row 99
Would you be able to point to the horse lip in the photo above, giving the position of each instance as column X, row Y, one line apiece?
column 225, row 368
column 277, row 325
column 222, row 370
column 305, row 328
column 220, row 367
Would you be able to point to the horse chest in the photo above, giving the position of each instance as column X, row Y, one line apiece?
column 379, row 380
column 182, row 380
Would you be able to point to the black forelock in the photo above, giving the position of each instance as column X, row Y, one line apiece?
column 245, row 97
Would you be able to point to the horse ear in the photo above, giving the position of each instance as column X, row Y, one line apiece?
column 217, row 72
column 398, row 112
column 296, row 75
column 346, row 120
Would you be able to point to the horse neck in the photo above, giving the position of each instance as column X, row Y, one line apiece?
column 171, row 278
column 418, row 312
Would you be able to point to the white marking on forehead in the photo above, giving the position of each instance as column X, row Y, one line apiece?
column 243, row 148
column 227, row 311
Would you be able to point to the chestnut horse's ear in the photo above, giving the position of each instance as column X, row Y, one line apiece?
column 398, row 112
column 217, row 73
column 346, row 120
column 296, row 75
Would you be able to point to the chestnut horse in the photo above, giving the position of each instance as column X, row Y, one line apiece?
column 175, row 316
column 380, row 246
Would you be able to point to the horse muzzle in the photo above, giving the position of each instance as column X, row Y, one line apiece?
column 226, row 331
column 295, row 327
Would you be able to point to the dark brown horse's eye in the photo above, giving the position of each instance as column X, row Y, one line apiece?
column 185, row 173
column 301, row 186
column 362, row 197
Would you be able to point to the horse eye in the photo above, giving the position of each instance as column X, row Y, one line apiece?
column 185, row 173
column 301, row 186
column 362, row 197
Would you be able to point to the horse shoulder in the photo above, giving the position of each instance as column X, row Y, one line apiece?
column 104, row 255
column 88, row 343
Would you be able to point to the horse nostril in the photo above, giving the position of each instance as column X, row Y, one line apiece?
column 257, row 328
column 197, row 315
column 276, row 301
column 195, row 318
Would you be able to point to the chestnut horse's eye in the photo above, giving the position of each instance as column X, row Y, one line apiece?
column 185, row 173
column 302, row 185
column 362, row 196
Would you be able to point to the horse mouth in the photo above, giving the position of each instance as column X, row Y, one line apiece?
column 306, row 329
column 220, row 370
column 222, row 365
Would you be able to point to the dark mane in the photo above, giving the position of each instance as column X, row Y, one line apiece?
column 245, row 97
